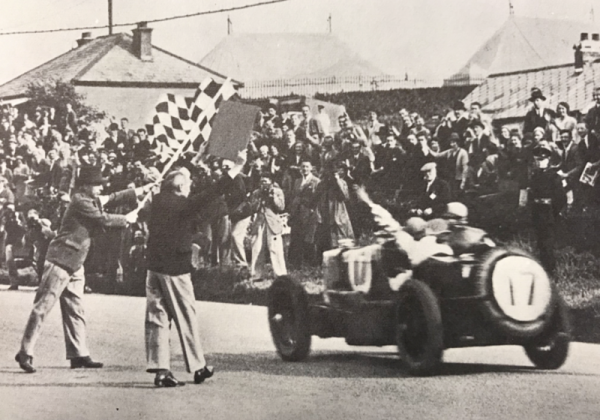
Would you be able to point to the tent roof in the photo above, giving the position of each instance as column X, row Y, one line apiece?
column 525, row 43
column 286, row 55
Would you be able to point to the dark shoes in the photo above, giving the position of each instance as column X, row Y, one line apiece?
column 25, row 362
column 85, row 362
column 167, row 380
column 204, row 373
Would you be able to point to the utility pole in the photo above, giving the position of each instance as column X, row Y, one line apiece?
column 511, row 8
column 592, row 15
column 229, row 26
column 110, row 17
column 329, row 23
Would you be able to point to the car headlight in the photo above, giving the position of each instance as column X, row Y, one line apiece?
column 521, row 288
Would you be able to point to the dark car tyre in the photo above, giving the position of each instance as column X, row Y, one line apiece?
column 519, row 295
column 419, row 330
column 550, row 351
column 289, row 319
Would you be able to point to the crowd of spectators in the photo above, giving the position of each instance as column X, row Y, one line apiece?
column 295, row 197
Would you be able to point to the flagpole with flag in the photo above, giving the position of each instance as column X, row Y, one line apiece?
column 201, row 125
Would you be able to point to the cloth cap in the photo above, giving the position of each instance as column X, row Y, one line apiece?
column 456, row 210
column 428, row 167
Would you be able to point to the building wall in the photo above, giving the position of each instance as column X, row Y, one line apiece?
column 137, row 104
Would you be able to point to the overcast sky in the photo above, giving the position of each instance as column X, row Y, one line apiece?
column 427, row 38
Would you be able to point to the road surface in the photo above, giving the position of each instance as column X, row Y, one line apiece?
column 251, row 382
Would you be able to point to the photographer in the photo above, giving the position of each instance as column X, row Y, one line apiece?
column 266, row 203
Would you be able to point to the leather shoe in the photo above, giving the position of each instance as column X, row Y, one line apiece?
column 85, row 362
column 204, row 373
column 25, row 362
column 167, row 380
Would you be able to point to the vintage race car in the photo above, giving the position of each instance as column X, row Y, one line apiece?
column 474, row 294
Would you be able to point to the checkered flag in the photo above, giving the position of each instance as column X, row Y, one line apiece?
column 205, row 107
column 177, row 119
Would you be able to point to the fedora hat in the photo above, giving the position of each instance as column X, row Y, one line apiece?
column 90, row 175
column 536, row 93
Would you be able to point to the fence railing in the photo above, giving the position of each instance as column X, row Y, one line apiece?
column 308, row 86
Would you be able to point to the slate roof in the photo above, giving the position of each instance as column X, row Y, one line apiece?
column 110, row 61
column 523, row 44
column 507, row 95
column 285, row 56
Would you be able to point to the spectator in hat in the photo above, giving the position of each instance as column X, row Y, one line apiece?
column 433, row 195
column 64, row 276
column 535, row 116
column 547, row 199
column 457, row 120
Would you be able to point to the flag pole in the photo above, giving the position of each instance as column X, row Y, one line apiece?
column 179, row 151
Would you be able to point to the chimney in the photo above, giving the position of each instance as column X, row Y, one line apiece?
column 86, row 38
column 142, row 41
column 587, row 51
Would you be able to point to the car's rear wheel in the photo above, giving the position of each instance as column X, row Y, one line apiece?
column 551, row 350
column 519, row 297
column 288, row 319
column 419, row 333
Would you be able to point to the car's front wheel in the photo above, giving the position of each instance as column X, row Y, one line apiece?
column 288, row 319
column 419, row 331
column 550, row 351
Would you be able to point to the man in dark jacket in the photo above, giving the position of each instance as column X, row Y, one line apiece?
column 535, row 116
column 434, row 194
column 169, row 290
column 548, row 198
column 63, row 277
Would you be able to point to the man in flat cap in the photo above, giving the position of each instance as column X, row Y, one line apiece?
column 434, row 194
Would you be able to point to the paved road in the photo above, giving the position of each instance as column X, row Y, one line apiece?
column 337, row 382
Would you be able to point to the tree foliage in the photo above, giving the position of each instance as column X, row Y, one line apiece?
column 56, row 94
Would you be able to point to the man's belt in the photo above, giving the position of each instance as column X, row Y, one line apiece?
column 542, row 200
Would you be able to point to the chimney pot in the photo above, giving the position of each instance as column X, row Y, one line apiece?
column 86, row 38
column 142, row 41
